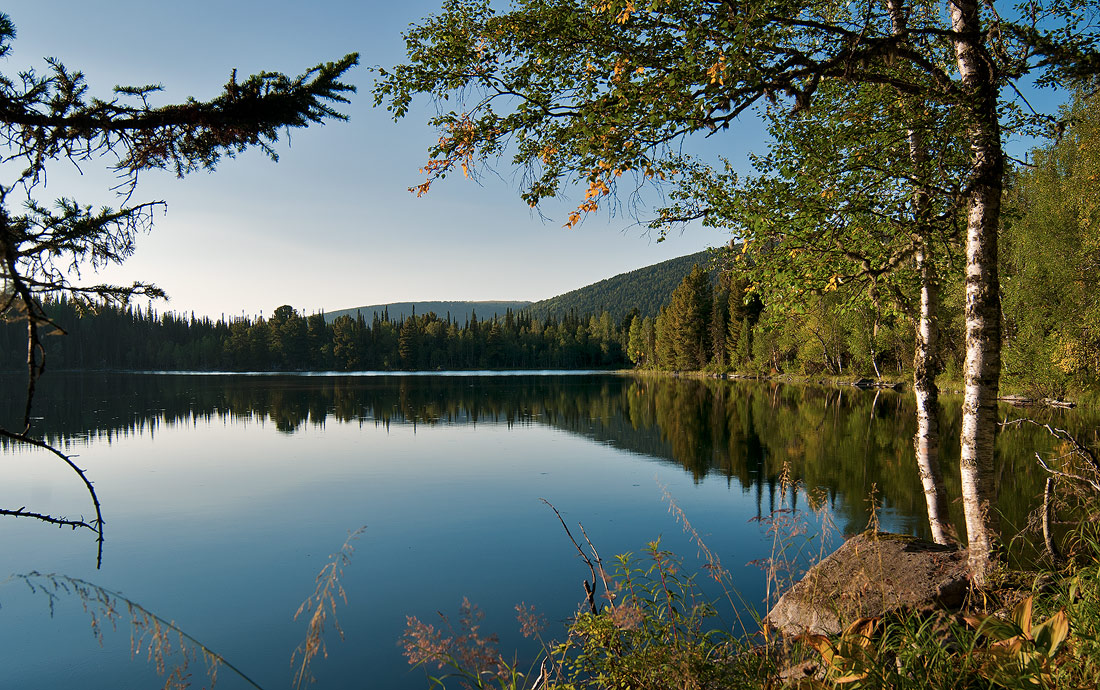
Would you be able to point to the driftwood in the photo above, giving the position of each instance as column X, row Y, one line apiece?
column 1024, row 401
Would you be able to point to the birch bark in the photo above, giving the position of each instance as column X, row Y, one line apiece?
column 983, row 304
column 925, row 357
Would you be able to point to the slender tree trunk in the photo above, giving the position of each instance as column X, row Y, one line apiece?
column 926, row 361
column 983, row 305
column 925, row 369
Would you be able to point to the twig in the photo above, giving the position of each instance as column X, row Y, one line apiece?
column 1076, row 477
column 589, row 590
column 60, row 522
column 1063, row 435
column 599, row 563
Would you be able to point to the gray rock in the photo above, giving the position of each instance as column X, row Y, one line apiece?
column 871, row 574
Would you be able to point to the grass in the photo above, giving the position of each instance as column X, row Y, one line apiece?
column 657, row 630
column 657, row 627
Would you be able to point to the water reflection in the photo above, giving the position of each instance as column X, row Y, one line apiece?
column 842, row 440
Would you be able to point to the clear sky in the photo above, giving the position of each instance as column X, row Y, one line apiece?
column 331, row 225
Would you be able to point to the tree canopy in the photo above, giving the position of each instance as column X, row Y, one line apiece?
column 580, row 92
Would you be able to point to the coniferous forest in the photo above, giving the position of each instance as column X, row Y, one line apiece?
column 723, row 315
column 128, row 338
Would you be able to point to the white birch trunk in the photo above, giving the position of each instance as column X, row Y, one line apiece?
column 927, row 440
column 926, row 356
column 983, row 309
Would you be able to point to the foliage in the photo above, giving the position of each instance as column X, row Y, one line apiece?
column 50, row 117
column 1022, row 651
column 655, row 633
column 583, row 94
column 837, row 205
column 320, row 606
column 1051, row 260
column 848, row 658
column 471, row 657
column 168, row 647
column 689, row 314
column 658, row 631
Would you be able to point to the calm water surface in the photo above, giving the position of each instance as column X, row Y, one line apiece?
column 224, row 496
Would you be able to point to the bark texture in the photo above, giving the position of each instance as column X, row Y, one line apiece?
column 983, row 304
column 926, row 360
column 925, row 368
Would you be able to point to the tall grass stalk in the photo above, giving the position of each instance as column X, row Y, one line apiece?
column 319, row 606
column 167, row 646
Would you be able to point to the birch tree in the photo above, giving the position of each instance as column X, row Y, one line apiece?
column 595, row 96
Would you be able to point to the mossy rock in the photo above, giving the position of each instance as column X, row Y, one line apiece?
column 869, row 575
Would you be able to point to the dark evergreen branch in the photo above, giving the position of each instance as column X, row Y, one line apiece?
column 95, row 525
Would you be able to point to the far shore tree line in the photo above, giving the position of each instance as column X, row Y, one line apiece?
column 113, row 337
column 719, row 321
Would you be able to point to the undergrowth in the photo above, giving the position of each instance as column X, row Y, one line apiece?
column 656, row 629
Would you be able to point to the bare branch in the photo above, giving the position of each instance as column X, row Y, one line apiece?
column 589, row 589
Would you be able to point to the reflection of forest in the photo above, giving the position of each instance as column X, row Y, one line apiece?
column 845, row 441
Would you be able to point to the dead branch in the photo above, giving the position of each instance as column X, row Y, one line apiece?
column 59, row 521
column 589, row 589
column 1063, row 435
column 599, row 564
column 95, row 525
column 1075, row 477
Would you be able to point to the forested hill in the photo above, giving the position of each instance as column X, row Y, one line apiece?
column 647, row 289
column 459, row 311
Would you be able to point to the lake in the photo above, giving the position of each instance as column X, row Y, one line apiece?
column 224, row 495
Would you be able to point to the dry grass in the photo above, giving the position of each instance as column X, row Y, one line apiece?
column 320, row 606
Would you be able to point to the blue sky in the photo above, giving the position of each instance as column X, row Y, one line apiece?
column 332, row 225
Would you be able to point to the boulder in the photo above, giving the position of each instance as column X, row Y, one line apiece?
column 872, row 574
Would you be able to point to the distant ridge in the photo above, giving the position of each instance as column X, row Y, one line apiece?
column 460, row 311
column 647, row 288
